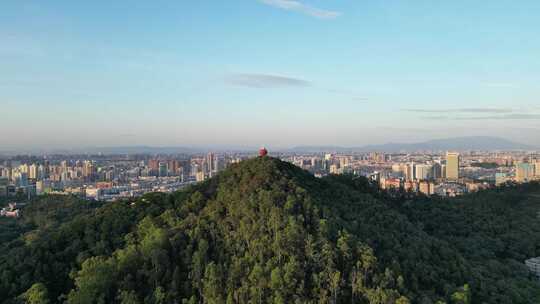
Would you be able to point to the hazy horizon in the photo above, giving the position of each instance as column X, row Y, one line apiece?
column 438, row 144
column 278, row 73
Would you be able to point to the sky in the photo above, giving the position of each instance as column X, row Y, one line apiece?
column 279, row 73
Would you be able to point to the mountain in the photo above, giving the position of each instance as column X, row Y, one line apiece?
column 130, row 150
column 485, row 143
column 265, row 231
column 322, row 149
column 478, row 143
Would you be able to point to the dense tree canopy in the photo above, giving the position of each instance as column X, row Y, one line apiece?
column 264, row 231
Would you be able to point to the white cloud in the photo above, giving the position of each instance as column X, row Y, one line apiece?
column 462, row 110
column 300, row 7
column 264, row 81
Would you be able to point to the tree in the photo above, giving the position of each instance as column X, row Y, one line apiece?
column 159, row 295
column 335, row 282
column 94, row 282
column 37, row 294
column 127, row 297
column 402, row 300
column 462, row 296
column 212, row 285
column 258, row 283
column 264, row 231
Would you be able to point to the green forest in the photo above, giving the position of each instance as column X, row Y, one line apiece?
column 265, row 231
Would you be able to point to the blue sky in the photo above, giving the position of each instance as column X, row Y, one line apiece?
column 273, row 72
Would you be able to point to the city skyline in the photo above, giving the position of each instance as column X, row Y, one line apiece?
column 119, row 176
column 269, row 151
column 266, row 72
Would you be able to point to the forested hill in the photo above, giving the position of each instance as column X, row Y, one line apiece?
column 265, row 231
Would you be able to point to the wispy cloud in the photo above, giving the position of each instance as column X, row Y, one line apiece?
column 461, row 110
column 300, row 7
column 436, row 117
column 264, row 81
column 516, row 116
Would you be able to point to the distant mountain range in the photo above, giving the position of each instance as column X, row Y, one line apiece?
column 455, row 143
column 104, row 150
column 129, row 150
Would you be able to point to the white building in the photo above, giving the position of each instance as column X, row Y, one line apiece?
column 534, row 266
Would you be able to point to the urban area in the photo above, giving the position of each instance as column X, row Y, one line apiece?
column 112, row 177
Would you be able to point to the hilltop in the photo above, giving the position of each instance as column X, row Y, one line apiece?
column 265, row 231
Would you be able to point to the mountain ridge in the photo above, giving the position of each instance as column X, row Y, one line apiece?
column 466, row 143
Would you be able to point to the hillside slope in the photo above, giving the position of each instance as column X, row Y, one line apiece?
column 262, row 231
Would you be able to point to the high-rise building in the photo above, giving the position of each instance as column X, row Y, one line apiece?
column 343, row 162
column 436, row 171
column 524, row 172
column 88, row 169
column 378, row 157
column 64, row 166
column 199, row 177
column 162, row 169
column 422, row 172
column 537, row 168
column 109, row 175
column 410, row 174
column 46, row 169
column 452, row 166
column 217, row 164
column 443, row 171
column 182, row 174
column 210, row 163
column 41, row 172
column 315, row 163
column 153, row 165
column 5, row 172
column 24, row 168
column 22, row 179
column 33, row 171
column 173, row 167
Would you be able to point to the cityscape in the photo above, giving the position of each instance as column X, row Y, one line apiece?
column 269, row 152
column 113, row 177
